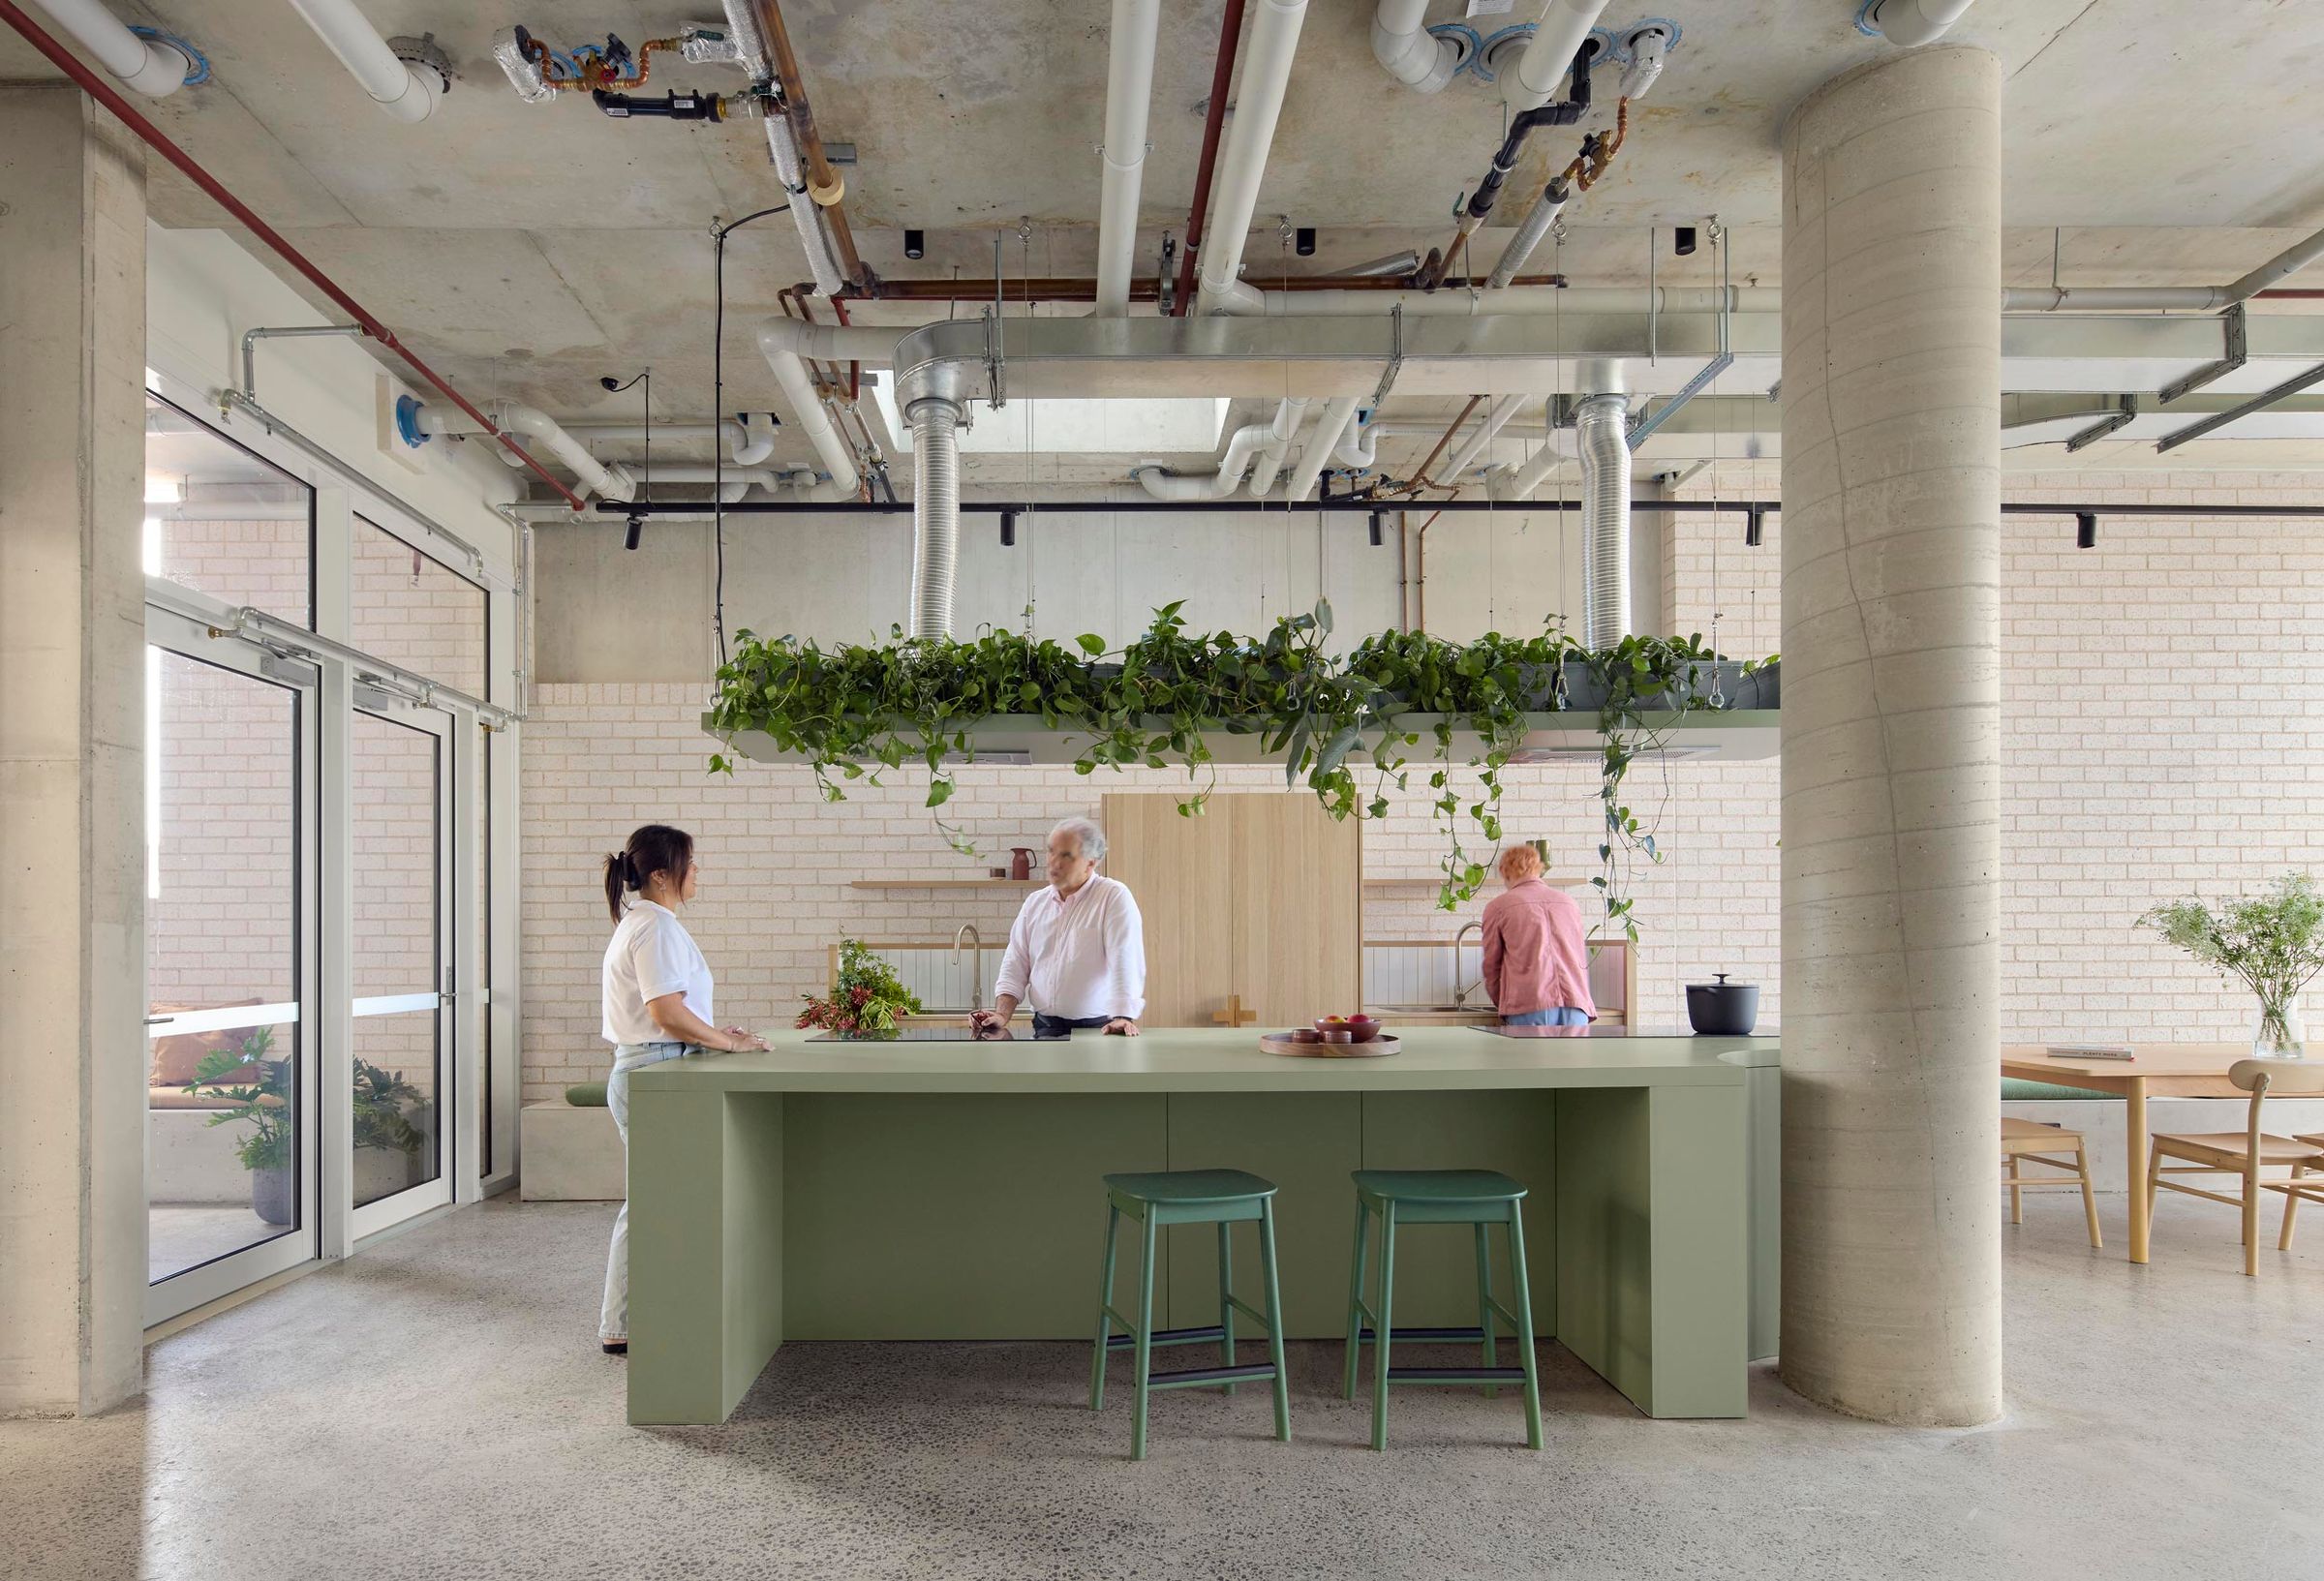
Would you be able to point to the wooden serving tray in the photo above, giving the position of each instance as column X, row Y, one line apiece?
column 1280, row 1043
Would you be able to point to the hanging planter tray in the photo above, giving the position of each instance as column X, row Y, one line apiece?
column 1282, row 1043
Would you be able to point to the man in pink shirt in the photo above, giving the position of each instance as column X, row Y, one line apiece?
column 1537, row 963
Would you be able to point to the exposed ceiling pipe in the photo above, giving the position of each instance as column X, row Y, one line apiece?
column 401, row 82
column 1242, row 446
column 1359, row 442
column 1514, row 482
column 65, row 61
column 144, row 65
column 1206, row 165
column 787, row 344
column 823, row 183
column 1537, row 223
column 822, row 263
column 2167, row 298
column 1556, row 39
column 608, row 478
column 1648, row 47
column 1460, row 303
column 1328, row 427
column 749, row 441
column 934, row 421
column 1602, row 423
column 1495, row 416
column 1910, row 23
column 1408, row 51
column 1266, row 73
column 1386, row 275
column 1290, row 414
column 1129, row 90
column 1395, row 266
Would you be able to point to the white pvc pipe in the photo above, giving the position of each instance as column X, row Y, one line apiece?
column 748, row 443
column 1455, row 302
column 785, row 344
column 1290, row 412
column 1511, row 482
column 783, row 145
column 1911, row 23
column 1241, row 447
column 1538, row 221
column 1265, row 73
column 1359, row 442
column 608, row 478
column 1556, row 39
column 1406, row 49
column 1129, row 87
column 404, row 91
column 145, row 66
column 1647, row 48
column 1496, row 416
column 1319, row 446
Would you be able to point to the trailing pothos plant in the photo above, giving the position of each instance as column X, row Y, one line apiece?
column 853, row 712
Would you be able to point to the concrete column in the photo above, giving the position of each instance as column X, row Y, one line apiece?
column 72, row 1054
column 1891, row 467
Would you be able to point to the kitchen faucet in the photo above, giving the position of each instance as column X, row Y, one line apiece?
column 1460, row 995
column 976, row 965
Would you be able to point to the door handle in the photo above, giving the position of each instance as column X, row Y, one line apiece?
column 1235, row 1015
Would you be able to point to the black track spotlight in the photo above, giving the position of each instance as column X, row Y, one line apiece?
column 1685, row 242
column 1008, row 530
column 915, row 244
column 1302, row 241
column 1753, row 516
column 1376, row 516
column 2086, row 529
column 637, row 528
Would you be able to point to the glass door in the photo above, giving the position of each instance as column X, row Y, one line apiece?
column 400, row 869
column 231, row 964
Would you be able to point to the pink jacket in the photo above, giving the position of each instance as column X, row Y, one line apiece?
column 1535, row 955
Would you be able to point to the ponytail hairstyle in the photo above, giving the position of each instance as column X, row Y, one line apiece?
column 655, row 848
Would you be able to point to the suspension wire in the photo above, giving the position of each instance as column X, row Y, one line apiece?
column 717, row 401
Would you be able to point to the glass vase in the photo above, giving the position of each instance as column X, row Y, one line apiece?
column 2280, row 1034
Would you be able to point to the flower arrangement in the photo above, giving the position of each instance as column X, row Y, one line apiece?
column 866, row 997
column 2275, row 943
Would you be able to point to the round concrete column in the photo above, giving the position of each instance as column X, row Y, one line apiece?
column 1891, row 395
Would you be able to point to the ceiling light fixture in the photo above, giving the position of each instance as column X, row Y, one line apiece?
column 1753, row 516
column 2086, row 529
column 1008, row 530
column 915, row 244
column 1303, row 241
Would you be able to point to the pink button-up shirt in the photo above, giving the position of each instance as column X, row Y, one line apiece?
column 1535, row 955
column 1078, row 954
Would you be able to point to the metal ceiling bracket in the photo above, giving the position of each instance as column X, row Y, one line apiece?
column 1711, row 370
column 1395, row 357
column 2234, row 355
column 2104, row 426
column 2258, row 403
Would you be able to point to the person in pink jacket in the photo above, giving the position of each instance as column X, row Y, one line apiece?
column 1537, row 963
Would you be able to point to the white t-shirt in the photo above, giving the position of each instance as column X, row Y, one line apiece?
column 650, row 954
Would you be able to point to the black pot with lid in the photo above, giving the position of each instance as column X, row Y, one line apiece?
column 1723, row 1009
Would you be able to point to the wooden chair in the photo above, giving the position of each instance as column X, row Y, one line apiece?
column 2248, row 1152
column 2029, row 1141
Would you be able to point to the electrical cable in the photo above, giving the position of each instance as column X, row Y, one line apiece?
column 717, row 399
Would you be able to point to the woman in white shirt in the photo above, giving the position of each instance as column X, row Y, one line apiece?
column 658, row 1007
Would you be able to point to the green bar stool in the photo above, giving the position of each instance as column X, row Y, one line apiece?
column 1224, row 1198
column 1479, row 1197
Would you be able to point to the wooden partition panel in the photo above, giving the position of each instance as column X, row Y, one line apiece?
column 1181, row 872
column 1299, row 910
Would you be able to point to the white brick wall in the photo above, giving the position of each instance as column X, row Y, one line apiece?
column 2159, row 735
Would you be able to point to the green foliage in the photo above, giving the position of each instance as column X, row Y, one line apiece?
column 2273, row 942
column 866, row 997
column 261, row 1092
column 854, row 712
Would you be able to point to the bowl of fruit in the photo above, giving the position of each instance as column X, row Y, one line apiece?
column 1358, row 1029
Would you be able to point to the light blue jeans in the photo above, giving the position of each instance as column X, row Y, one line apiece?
column 1556, row 1016
column 613, row 1321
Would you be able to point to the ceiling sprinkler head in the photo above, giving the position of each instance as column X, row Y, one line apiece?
column 512, row 47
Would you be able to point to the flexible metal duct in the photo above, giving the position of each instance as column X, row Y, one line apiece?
column 1601, row 428
column 935, row 512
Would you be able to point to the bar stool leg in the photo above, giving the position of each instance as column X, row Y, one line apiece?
column 2017, row 1193
column 1488, row 1352
column 1145, row 1338
column 1356, row 1261
column 1382, row 1331
column 1524, row 1308
column 1226, row 1307
column 1274, row 1319
column 1105, row 1310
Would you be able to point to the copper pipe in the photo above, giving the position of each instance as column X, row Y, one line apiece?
column 1214, row 121
column 1067, row 289
column 1419, row 476
column 1419, row 575
column 821, row 178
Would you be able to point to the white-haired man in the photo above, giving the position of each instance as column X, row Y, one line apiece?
column 1076, row 952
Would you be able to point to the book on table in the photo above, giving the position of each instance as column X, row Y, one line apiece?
column 2087, row 1051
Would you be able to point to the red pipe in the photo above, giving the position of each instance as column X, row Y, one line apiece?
column 1222, row 78
column 65, row 61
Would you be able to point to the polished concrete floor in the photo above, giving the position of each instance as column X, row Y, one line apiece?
column 437, row 1408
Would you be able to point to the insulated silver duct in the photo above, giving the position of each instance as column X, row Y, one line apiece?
column 1602, row 430
column 935, row 511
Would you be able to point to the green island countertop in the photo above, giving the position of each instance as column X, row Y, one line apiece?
column 1217, row 1059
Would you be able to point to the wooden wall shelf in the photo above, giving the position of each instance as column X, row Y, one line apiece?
column 943, row 883
column 1553, row 880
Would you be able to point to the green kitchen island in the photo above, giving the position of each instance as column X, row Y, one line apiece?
column 949, row 1190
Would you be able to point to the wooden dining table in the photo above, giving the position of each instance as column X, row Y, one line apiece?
column 2158, row 1070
